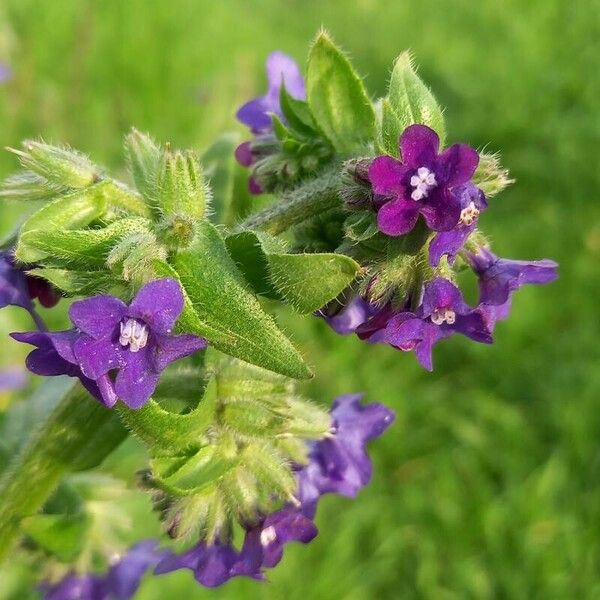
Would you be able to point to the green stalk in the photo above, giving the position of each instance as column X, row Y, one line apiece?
column 76, row 436
column 294, row 206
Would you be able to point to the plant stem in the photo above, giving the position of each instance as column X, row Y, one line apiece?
column 294, row 206
column 77, row 435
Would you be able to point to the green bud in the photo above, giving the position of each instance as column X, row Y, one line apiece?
column 144, row 157
column 182, row 189
column 490, row 176
column 60, row 165
column 27, row 185
column 177, row 232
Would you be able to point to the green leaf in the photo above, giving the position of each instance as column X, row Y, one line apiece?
column 306, row 281
column 361, row 226
column 85, row 249
column 144, row 156
column 297, row 113
column 391, row 128
column 61, row 535
column 412, row 100
column 309, row 281
column 337, row 98
column 72, row 211
column 221, row 308
column 76, row 283
column 218, row 162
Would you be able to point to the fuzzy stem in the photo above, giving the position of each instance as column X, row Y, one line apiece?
column 294, row 206
column 76, row 436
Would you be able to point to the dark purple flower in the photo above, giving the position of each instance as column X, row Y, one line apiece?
column 212, row 565
column 422, row 182
column 19, row 289
column 340, row 464
column 345, row 321
column 12, row 379
column 54, row 356
column 499, row 277
column 120, row 583
column 281, row 68
column 442, row 313
column 136, row 340
column 472, row 203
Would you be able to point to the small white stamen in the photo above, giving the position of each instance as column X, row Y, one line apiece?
column 422, row 182
column 469, row 215
column 268, row 536
column 133, row 334
column 443, row 315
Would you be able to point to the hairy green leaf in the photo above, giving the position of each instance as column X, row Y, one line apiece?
column 412, row 100
column 337, row 98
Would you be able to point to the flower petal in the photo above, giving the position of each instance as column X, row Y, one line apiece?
column 97, row 357
column 255, row 114
column 419, row 146
column 98, row 316
column 386, row 175
column 448, row 243
column 281, row 67
column 136, row 380
column 159, row 304
column 172, row 348
column 441, row 293
column 441, row 210
column 397, row 217
column 457, row 164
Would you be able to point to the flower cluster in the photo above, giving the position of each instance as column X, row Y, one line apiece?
column 17, row 288
column 121, row 582
column 134, row 341
column 338, row 464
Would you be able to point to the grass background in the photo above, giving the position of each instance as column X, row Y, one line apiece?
column 488, row 485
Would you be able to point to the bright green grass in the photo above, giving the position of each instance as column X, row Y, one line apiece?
column 488, row 486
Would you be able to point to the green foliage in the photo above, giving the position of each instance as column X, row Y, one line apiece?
column 221, row 308
column 337, row 98
column 305, row 281
column 409, row 101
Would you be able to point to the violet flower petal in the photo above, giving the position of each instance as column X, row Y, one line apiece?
column 158, row 304
column 98, row 316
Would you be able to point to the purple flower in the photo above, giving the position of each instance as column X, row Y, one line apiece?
column 442, row 313
column 499, row 277
column 54, row 356
column 345, row 322
column 120, row 583
column 472, row 204
column 281, row 68
column 339, row 464
column 19, row 289
column 212, row 565
column 422, row 182
column 135, row 340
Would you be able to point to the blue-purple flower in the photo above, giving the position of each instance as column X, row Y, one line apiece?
column 338, row 464
column 19, row 289
column 349, row 317
column 12, row 379
column 499, row 277
column 281, row 69
column 121, row 582
column 442, row 313
column 135, row 340
column 5, row 73
column 449, row 243
column 54, row 356
column 422, row 182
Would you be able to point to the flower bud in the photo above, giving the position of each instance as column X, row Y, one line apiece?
column 61, row 166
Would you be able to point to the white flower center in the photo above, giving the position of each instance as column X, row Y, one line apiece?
column 443, row 315
column 469, row 215
column 422, row 182
column 133, row 334
column 268, row 536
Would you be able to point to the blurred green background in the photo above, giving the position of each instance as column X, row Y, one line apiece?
column 488, row 485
